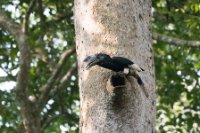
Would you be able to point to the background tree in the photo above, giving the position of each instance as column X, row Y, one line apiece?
column 50, row 32
column 37, row 52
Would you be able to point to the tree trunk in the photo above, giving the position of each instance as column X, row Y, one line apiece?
column 29, row 109
column 112, row 103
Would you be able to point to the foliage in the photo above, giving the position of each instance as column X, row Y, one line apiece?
column 52, row 31
column 177, row 68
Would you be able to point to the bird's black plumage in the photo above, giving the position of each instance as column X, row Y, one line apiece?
column 116, row 64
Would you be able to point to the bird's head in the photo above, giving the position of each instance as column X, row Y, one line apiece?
column 96, row 59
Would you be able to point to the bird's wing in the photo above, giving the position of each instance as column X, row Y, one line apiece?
column 122, row 60
column 109, row 65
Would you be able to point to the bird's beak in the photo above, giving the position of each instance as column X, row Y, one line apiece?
column 92, row 62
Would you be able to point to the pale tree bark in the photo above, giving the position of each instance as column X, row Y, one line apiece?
column 118, row 28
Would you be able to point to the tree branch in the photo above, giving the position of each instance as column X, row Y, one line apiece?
column 59, row 18
column 9, row 25
column 5, row 78
column 45, row 89
column 27, row 15
column 22, row 84
column 48, row 121
column 67, row 76
column 175, row 41
column 65, row 79
column 64, row 16
column 21, row 88
column 41, row 10
column 9, row 76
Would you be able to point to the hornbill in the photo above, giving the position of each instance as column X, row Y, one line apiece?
column 116, row 64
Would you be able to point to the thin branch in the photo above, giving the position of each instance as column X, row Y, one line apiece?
column 175, row 41
column 48, row 121
column 65, row 79
column 60, row 18
column 67, row 76
column 45, row 89
column 41, row 10
column 28, row 12
column 5, row 79
column 9, row 25
column 64, row 16
column 41, row 55
column 9, row 75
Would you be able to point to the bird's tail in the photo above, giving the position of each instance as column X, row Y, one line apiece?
column 141, row 83
column 139, row 80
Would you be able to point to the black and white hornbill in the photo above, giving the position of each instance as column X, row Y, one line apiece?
column 117, row 64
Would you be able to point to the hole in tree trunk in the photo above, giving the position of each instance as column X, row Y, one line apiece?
column 116, row 86
column 117, row 80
